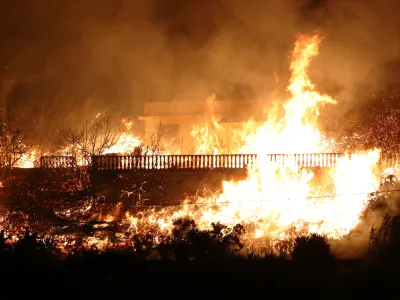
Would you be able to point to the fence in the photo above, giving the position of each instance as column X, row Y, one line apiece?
column 220, row 161
column 57, row 162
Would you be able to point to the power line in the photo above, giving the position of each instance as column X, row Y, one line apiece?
column 262, row 200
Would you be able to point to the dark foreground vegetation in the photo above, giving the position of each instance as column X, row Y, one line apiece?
column 193, row 263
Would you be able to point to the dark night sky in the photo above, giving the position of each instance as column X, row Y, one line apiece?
column 61, row 58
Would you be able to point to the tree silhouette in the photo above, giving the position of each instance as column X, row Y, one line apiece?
column 92, row 138
column 3, row 242
column 13, row 140
column 220, row 242
column 313, row 252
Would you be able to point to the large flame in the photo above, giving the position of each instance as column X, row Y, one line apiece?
column 207, row 134
column 297, row 131
column 282, row 200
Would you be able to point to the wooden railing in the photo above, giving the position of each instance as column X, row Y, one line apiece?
column 220, row 161
column 57, row 162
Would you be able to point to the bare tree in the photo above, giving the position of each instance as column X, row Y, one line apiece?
column 13, row 140
column 155, row 143
column 94, row 137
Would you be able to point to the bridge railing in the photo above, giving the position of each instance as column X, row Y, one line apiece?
column 57, row 162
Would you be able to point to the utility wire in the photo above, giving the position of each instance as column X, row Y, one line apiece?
column 262, row 200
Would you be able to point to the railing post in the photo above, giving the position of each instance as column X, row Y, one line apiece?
column 206, row 161
column 94, row 163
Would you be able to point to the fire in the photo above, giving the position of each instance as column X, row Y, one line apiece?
column 125, row 144
column 297, row 131
column 283, row 200
column 29, row 159
column 127, row 123
column 207, row 133
column 276, row 202
column 212, row 137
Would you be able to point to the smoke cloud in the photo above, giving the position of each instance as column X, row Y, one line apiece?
column 62, row 58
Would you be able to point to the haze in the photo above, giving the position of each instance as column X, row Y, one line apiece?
column 62, row 58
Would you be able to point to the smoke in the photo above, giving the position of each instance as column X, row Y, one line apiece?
column 84, row 57
column 355, row 245
column 385, row 202
column 362, row 40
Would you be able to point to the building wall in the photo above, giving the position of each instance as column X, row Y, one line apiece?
column 195, row 107
column 176, row 129
column 179, row 117
column 173, row 108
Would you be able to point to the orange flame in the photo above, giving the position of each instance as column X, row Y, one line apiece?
column 277, row 199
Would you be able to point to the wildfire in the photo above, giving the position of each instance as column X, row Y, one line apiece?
column 28, row 159
column 207, row 133
column 297, row 131
column 276, row 202
column 125, row 144
column 283, row 200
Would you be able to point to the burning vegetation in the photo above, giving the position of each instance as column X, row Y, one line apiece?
column 264, row 212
